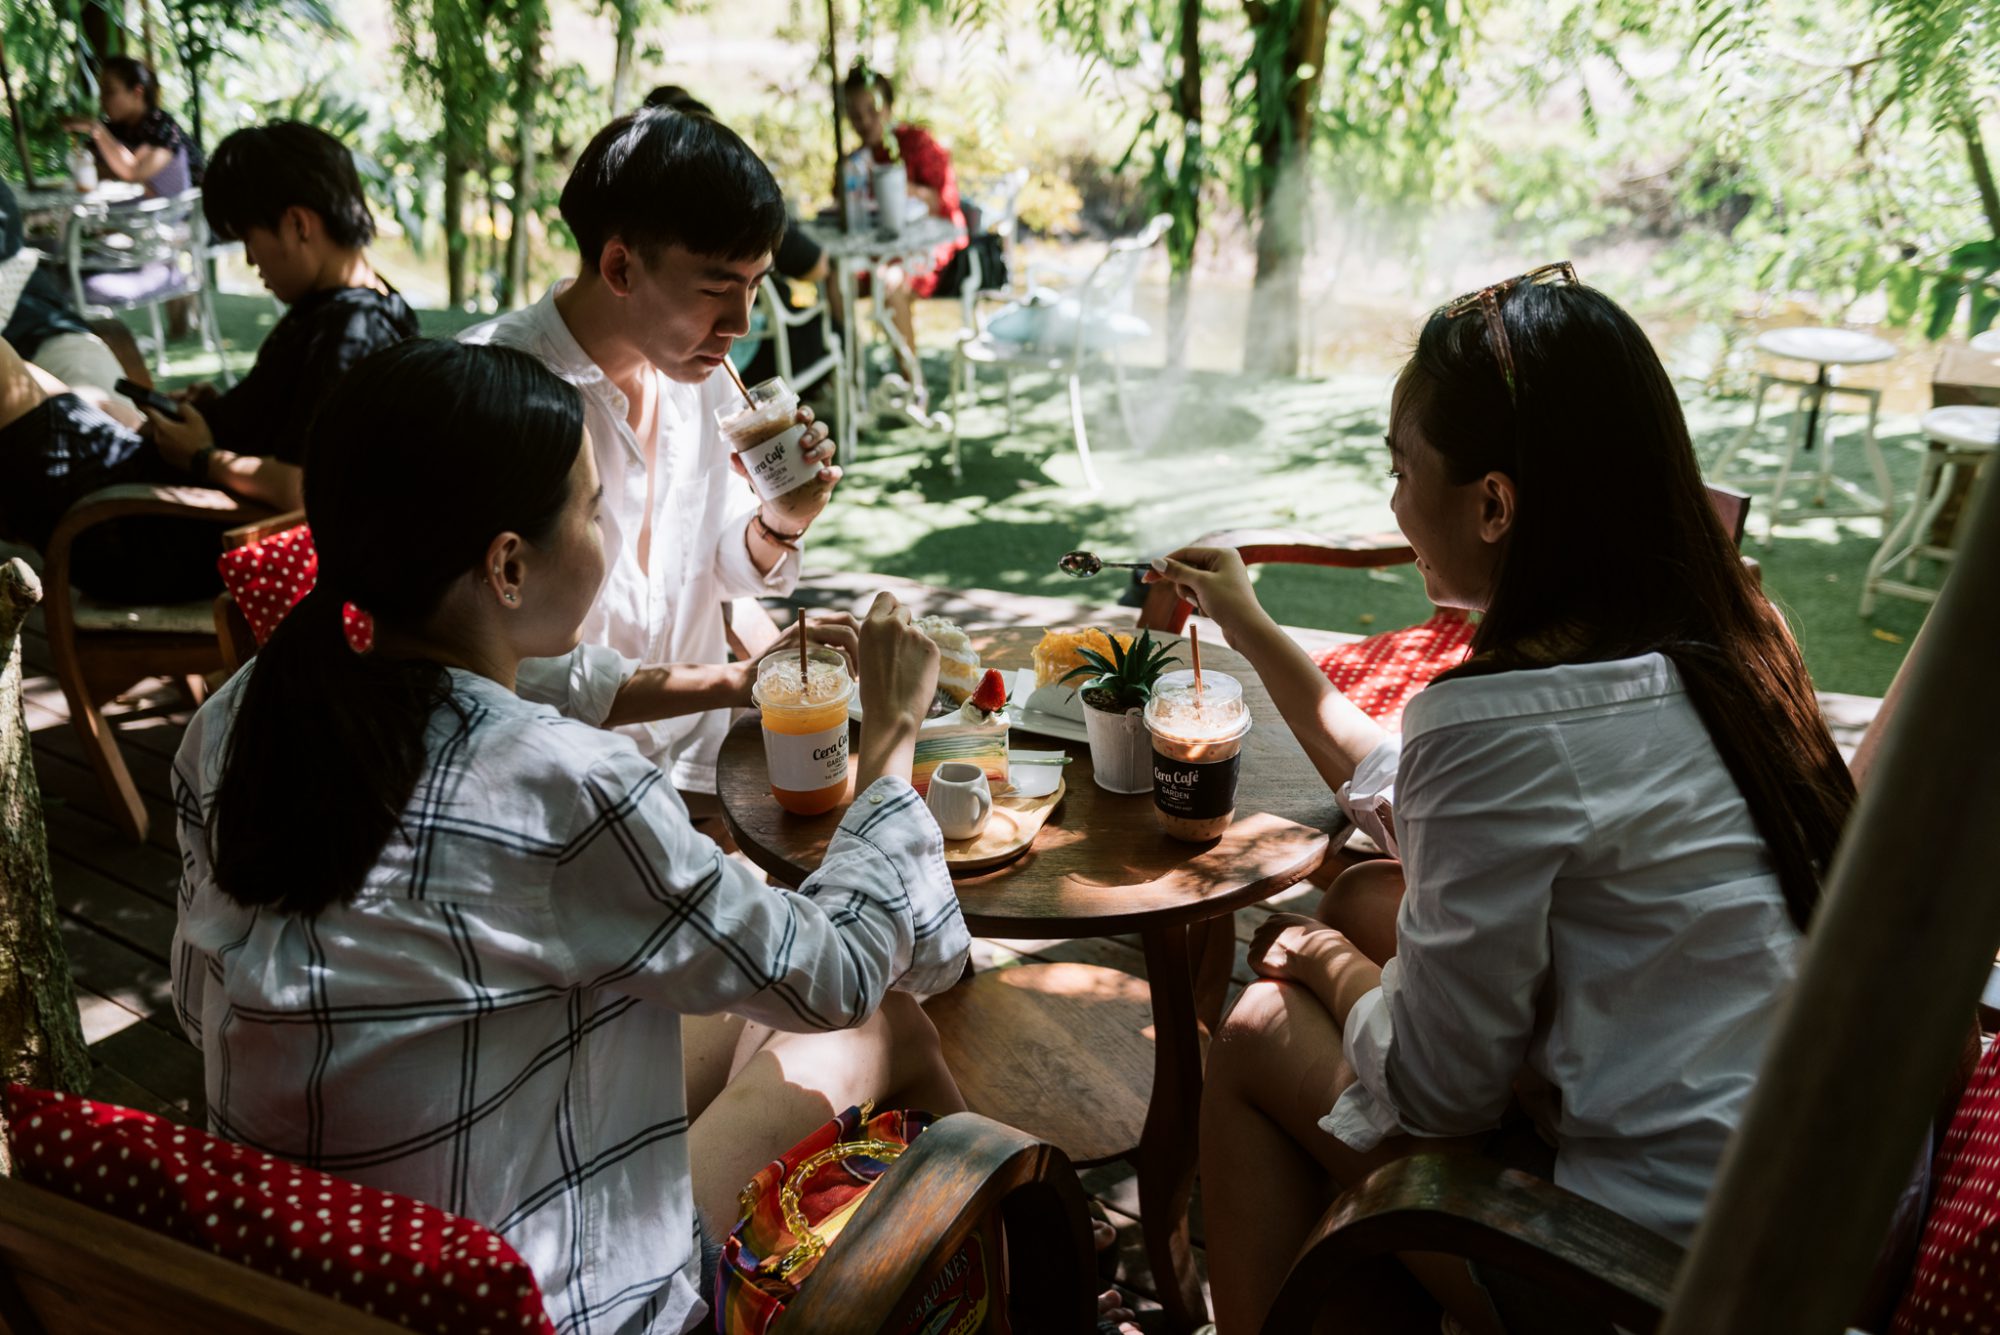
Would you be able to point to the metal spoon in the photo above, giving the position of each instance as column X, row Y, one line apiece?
column 1082, row 565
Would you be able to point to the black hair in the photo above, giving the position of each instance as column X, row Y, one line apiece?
column 657, row 177
column 676, row 98
column 134, row 74
column 861, row 79
column 1616, row 551
column 258, row 173
column 427, row 451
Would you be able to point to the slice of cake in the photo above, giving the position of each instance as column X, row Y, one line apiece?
column 1059, row 651
column 958, row 661
column 973, row 735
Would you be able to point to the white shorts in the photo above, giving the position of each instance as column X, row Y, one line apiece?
column 86, row 364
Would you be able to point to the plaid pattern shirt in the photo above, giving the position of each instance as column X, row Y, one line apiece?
column 492, row 1024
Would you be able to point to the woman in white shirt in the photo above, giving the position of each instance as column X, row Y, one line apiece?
column 446, row 942
column 1611, row 821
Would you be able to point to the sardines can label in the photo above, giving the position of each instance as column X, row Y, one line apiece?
column 807, row 762
column 778, row 465
column 1195, row 790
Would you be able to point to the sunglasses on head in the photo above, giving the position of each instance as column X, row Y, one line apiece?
column 1487, row 300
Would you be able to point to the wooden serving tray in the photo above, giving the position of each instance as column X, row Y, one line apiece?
column 1009, row 832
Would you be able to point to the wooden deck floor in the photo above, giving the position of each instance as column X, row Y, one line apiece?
column 117, row 905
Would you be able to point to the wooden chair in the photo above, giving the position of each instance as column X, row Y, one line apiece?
column 101, row 649
column 236, row 642
column 66, row 1269
column 1162, row 610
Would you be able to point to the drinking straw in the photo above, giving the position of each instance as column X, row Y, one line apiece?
column 730, row 367
column 805, row 680
column 1194, row 648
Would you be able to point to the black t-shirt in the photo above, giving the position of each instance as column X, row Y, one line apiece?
column 272, row 409
column 156, row 129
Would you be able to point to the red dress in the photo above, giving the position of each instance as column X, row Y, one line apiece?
column 927, row 164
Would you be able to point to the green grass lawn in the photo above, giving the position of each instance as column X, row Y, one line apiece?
column 1215, row 451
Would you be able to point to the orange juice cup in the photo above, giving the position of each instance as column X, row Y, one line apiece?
column 805, row 729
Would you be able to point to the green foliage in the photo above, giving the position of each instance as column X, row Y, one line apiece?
column 1125, row 680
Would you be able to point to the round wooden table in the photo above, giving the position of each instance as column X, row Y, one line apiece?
column 1099, row 868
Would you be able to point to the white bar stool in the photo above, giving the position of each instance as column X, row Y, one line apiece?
column 1960, row 436
column 1826, row 349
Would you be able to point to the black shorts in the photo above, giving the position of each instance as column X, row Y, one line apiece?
column 62, row 450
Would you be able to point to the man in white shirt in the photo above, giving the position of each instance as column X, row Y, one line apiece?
column 676, row 220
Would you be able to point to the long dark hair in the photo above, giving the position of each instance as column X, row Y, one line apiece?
column 1616, row 551
column 134, row 74
column 427, row 451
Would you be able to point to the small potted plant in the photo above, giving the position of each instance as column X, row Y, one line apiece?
column 1114, row 698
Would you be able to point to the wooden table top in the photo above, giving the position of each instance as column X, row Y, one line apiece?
column 1101, row 866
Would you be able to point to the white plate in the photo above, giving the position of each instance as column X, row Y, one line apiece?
column 1027, row 720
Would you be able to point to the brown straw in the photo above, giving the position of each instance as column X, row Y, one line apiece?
column 730, row 367
column 1194, row 648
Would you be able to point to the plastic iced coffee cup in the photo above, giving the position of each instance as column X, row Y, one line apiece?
column 805, row 729
column 766, row 435
column 1197, row 749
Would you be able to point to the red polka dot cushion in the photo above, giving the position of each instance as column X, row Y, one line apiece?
column 268, row 577
column 397, row 1258
column 1381, row 673
column 1956, row 1287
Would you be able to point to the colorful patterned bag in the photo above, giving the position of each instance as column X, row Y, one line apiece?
column 795, row 1208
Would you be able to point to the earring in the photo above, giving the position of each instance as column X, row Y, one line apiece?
column 512, row 598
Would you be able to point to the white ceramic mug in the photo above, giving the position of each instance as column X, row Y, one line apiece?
column 960, row 799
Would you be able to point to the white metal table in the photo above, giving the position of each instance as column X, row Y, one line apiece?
column 853, row 254
column 1826, row 349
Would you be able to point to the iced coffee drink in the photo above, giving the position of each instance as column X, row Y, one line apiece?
column 805, row 729
column 768, row 438
column 1197, row 747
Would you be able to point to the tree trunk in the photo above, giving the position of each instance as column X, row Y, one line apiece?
column 1273, row 343
column 1187, row 213
column 41, row 1039
column 621, row 65
column 527, row 83
column 1982, row 173
column 456, row 167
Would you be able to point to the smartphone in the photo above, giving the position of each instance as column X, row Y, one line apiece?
column 149, row 398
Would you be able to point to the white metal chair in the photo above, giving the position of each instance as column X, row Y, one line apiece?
column 1060, row 333
column 776, row 321
column 1960, row 436
column 1000, row 215
column 141, row 256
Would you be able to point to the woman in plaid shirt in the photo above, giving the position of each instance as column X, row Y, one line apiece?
column 445, row 942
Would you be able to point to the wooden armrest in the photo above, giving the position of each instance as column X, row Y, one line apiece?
column 1280, row 546
column 950, row 1180
column 258, row 530
column 1467, row 1205
column 131, row 499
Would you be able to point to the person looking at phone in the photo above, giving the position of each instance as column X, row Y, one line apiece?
column 289, row 192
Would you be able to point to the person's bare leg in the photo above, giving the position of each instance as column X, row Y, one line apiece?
column 1362, row 903
column 23, row 385
column 1274, row 1069
column 1268, row 1171
column 125, row 348
column 782, row 1086
column 902, row 305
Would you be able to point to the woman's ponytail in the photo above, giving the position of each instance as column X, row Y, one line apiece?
column 427, row 452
